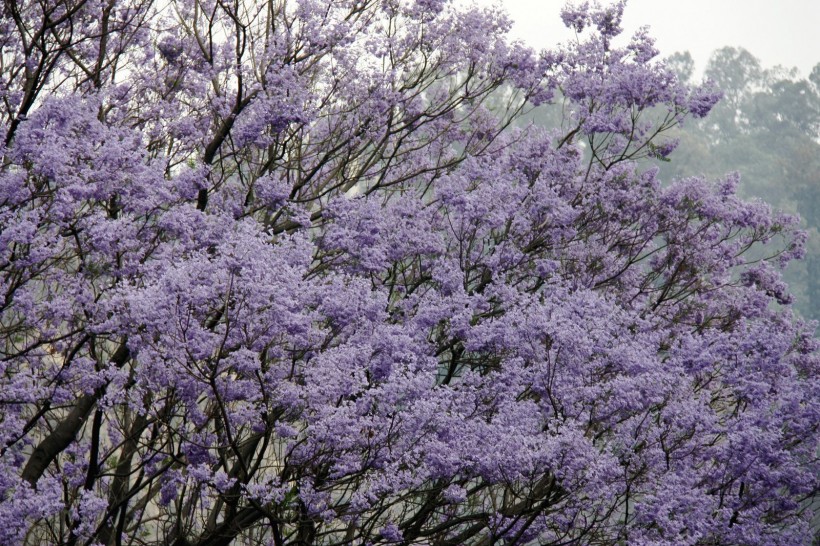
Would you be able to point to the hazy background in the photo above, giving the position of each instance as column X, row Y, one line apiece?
column 785, row 32
column 767, row 127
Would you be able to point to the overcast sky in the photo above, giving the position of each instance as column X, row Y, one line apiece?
column 785, row 32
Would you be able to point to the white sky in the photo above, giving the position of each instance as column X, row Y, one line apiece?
column 785, row 32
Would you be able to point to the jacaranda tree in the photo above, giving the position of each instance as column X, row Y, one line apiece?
column 282, row 272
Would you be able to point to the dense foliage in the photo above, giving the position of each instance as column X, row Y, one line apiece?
column 281, row 273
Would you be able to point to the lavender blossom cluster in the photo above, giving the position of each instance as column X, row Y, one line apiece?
column 287, row 272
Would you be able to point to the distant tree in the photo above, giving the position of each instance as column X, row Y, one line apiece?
column 276, row 273
column 814, row 77
column 739, row 75
column 682, row 64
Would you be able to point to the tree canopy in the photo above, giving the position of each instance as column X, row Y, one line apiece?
column 284, row 272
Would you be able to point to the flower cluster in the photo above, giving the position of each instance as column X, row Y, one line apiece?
column 285, row 274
